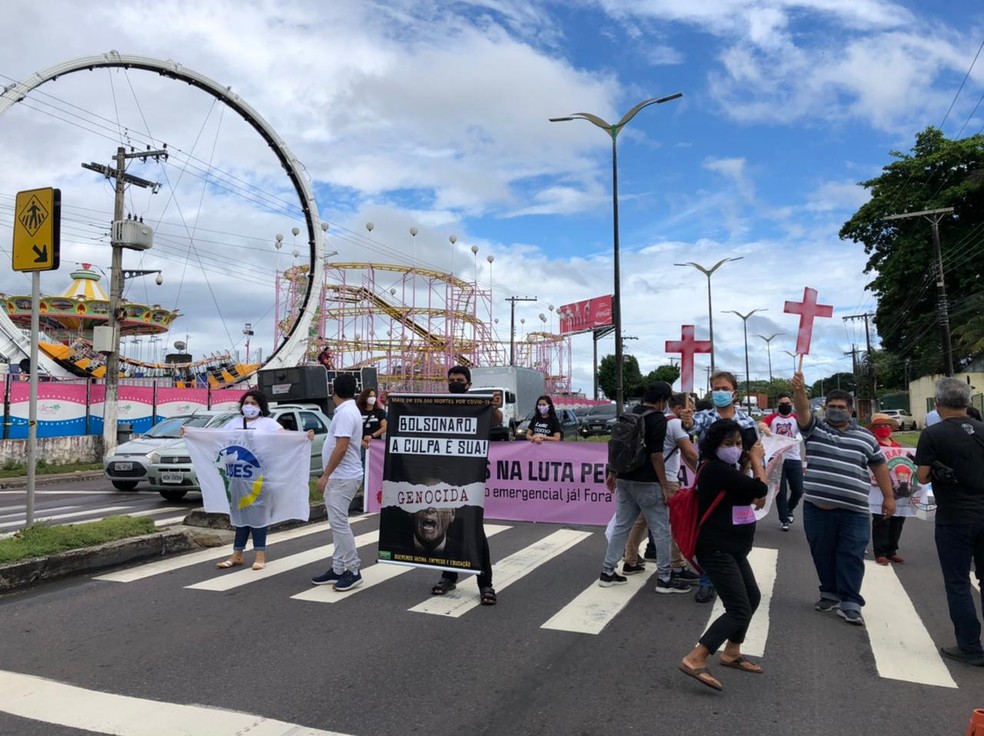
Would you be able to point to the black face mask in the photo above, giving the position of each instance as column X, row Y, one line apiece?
column 458, row 388
column 785, row 409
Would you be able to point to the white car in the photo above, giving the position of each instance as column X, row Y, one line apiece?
column 171, row 473
column 127, row 466
column 904, row 418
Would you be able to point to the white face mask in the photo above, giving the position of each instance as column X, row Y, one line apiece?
column 544, row 409
column 251, row 411
column 371, row 400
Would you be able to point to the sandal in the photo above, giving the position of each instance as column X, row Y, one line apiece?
column 743, row 664
column 443, row 586
column 488, row 597
column 231, row 562
column 259, row 565
column 702, row 675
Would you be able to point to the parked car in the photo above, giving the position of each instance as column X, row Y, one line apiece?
column 568, row 422
column 596, row 420
column 904, row 418
column 171, row 473
column 127, row 466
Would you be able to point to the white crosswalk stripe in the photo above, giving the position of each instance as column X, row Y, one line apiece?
column 596, row 607
column 70, row 515
column 20, row 511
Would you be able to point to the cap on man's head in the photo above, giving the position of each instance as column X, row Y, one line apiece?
column 657, row 391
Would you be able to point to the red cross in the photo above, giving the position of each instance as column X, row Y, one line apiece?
column 808, row 310
column 687, row 346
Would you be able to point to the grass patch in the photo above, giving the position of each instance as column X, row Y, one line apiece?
column 41, row 540
column 13, row 469
column 907, row 439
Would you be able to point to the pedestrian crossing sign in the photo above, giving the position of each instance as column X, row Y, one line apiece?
column 37, row 230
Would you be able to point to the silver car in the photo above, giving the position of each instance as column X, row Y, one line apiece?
column 127, row 466
column 172, row 475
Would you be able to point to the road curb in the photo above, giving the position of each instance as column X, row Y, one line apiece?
column 49, row 479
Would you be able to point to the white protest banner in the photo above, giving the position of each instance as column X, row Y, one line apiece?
column 776, row 448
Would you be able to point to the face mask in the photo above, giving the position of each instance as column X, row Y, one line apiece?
column 785, row 409
column 371, row 400
column 543, row 409
column 837, row 416
column 251, row 411
column 722, row 399
column 730, row 455
column 457, row 388
column 882, row 431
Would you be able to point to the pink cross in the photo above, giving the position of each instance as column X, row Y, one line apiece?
column 808, row 310
column 687, row 346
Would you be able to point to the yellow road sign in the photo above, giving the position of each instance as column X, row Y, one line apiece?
column 37, row 230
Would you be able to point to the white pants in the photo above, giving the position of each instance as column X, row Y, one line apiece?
column 338, row 498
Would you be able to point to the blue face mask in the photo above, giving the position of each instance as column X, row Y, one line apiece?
column 722, row 399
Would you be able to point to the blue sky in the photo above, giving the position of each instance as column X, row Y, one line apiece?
column 434, row 115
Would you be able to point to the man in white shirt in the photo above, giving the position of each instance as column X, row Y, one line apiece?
column 341, row 457
column 782, row 423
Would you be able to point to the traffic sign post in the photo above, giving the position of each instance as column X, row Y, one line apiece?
column 36, row 248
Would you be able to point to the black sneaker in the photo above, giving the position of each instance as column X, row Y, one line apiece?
column 348, row 580
column 961, row 655
column 635, row 569
column 705, row 594
column 784, row 526
column 673, row 585
column 825, row 605
column 608, row 579
column 851, row 615
column 329, row 578
column 791, row 518
column 687, row 576
column 649, row 554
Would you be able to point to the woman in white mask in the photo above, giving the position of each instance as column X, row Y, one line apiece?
column 545, row 425
column 373, row 417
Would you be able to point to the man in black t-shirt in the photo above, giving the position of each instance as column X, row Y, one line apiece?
column 645, row 490
column 951, row 455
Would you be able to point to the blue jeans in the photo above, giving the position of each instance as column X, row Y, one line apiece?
column 242, row 534
column 957, row 545
column 838, row 538
column 791, row 482
column 635, row 497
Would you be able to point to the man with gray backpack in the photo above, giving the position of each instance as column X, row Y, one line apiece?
column 637, row 471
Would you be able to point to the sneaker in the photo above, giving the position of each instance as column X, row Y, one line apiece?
column 784, row 527
column 687, row 576
column 608, row 579
column 635, row 569
column 348, row 580
column 825, row 605
column 851, row 616
column 649, row 554
column 960, row 655
column 329, row 578
column 705, row 594
column 673, row 585
column 790, row 519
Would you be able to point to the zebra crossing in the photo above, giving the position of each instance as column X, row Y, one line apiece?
column 14, row 518
column 902, row 646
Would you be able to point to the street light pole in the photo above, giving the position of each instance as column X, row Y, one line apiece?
column 793, row 356
column 708, row 272
column 768, row 346
column 613, row 131
column 744, row 324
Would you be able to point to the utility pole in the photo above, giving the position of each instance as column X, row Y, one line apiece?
column 854, row 364
column 512, row 323
column 942, row 308
column 112, row 380
column 869, row 382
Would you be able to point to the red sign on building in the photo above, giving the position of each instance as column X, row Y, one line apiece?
column 591, row 314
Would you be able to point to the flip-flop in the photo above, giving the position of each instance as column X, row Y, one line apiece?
column 696, row 674
column 741, row 663
column 226, row 564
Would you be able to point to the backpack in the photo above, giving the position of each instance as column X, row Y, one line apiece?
column 684, row 524
column 627, row 447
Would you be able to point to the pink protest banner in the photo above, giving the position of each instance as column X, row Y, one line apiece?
column 808, row 310
column 687, row 346
column 557, row 482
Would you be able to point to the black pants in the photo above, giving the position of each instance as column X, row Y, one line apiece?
column 484, row 577
column 885, row 534
column 734, row 581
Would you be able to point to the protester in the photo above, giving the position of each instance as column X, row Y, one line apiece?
column 885, row 532
column 255, row 415
column 459, row 381
column 644, row 491
column 724, row 392
column 782, row 423
column 841, row 457
column 339, row 483
column 545, row 426
column 950, row 454
column 724, row 542
column 373, row 417
column 676, row 445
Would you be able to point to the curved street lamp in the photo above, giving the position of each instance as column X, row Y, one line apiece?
column 744, row 323
column 613, row 131
column 710, row 311
column 768, row 347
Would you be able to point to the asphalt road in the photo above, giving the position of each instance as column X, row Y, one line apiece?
column 364, row 664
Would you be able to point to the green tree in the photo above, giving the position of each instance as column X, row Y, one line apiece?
column 845, row 381
column 901, row 259
column 668, row 373
column 631, row 376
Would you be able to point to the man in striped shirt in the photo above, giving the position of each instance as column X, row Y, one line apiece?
column 836, row 516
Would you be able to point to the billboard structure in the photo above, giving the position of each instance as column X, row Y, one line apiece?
column 586, row 316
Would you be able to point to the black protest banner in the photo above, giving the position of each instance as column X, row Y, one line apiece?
column 433, row 491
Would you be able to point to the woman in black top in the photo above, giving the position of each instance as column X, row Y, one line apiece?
column 373, row 418
column 545, row 426
column 724, row 542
